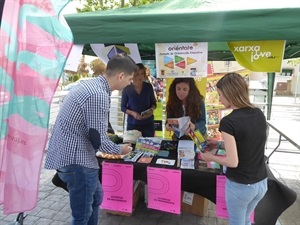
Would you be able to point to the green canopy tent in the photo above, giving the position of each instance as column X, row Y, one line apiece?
column 212, row 21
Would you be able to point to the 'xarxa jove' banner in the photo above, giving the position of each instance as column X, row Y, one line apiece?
column 258, row 56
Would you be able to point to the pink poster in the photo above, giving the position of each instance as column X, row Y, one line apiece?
column 221, row 209
column 164, row 189
column 117, row 183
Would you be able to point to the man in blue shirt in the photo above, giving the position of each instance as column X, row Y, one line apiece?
column 80, row 131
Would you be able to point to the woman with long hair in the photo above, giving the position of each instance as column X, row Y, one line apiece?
column 186, row 100
column 244, row 138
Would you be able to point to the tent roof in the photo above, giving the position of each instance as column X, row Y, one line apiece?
column 213, row 21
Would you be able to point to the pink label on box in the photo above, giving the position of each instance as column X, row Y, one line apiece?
column 164, row 189
column 221, row 209
column 117, row 183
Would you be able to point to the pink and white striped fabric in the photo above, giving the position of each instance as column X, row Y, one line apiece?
column 33, row 51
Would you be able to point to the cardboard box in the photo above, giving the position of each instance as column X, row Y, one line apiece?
column 281, row 88
column 136, row 197
column 193, row 203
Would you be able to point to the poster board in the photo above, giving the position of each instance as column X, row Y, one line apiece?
column 117, row 184
column 181, row 59
column 164, row 189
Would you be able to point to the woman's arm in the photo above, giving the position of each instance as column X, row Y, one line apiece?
column 149, row 95
column 153, row 99
column 124, row 105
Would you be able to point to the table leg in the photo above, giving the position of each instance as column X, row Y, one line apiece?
column 279, row 142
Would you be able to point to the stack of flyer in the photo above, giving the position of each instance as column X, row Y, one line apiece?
column 145, row 149
column 186, row 154
column 148, row 144
column 133, row 156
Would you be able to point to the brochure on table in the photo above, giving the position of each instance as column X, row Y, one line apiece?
column 186, row 154
column 164, row 189
column 148, row 144
column 186, row 149
column 117, row 183
column 145, row 149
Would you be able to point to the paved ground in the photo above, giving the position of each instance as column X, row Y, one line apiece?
column 53, row 208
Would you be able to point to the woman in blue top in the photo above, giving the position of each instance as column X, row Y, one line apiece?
column 185, row 100
column 136, row 98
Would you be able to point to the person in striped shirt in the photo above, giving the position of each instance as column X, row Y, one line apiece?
column 80, row 130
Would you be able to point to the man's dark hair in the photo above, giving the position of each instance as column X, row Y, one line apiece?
column 121, row 63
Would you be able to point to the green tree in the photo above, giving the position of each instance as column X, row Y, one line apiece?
column 98, row 67
column 71, row 74
column 94, row 5
column 82, row 70
column 294, row 61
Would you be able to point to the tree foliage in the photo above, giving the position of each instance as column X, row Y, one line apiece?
column 98, row 67
column 82, row 70
column 94, row 5
column 294, row 62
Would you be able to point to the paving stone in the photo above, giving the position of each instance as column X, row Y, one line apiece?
column 44, row 221
column 62, row 217
column 47, row 213
column 60, row 223
column 31, row 219
column 58, row 206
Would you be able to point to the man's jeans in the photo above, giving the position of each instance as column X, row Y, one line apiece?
column 241, row 200
column 85, row 192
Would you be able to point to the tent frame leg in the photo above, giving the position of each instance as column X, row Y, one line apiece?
column 19, row 220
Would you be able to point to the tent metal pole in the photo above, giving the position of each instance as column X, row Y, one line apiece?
column 297, row 86
column 20, row 219
column 271, row 79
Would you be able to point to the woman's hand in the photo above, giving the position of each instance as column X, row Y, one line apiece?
column 136, row 115
column 169, row 127
column 192, row 126
column 212, row 143
column 207, row 156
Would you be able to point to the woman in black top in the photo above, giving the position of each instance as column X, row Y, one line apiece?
column 244, row 135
